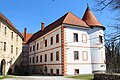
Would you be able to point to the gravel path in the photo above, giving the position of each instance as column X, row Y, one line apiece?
column 39, row 78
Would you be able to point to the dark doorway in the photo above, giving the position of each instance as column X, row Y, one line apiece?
column 2, row 70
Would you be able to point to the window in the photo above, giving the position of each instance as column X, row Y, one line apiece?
column 57, row 71
column 76, row 55
column 85, row 55
column 33, row 47
column 100, row 39
column 75, row 37
column 57, row 38
column 84, row 38
column 46, row 43
column 30, row 59
column 30, row 49
column 5, row 31
column 51, row 57
column 11, row 48
column 41, row 44
column 51, row 43
column 16, row 50
column 40, row 58
column 33, row 60
column 11, row 35
column 4, row 46
column 51, row 71
column 37, row 46
column 57, row 56
column 76, row 71
column 16, row 38
column 36, row 59
column 45, row 57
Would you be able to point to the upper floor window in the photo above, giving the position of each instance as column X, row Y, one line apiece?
column 100, row 39
column 33, row 60
column 5, row 30
column 11, row 35
column 30, row 48
column 51, row 57
column 40, row 58
column 57, row 56
column 46, row 43
column 36, row 59
column 37, row 46
column 16, row 50
column 4, row 46
column 33, row 47
column 51, row 41
column 45, row 57
column 76, row 55
column 16, row 38
column 11, row 48
column 84, row 38
column 57, row 38
column 85, row 55
column 30, row 59
column 41, row 45
column 75, row 37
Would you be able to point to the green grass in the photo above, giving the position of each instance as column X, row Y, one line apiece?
column 83, row 77
column 5, row 76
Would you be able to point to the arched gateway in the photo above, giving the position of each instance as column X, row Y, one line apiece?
column 2, row 67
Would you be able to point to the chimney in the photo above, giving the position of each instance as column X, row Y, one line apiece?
column 42, row 26
column 25, row 34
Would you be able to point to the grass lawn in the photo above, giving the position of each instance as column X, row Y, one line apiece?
column 83, row 77
column 6, row 76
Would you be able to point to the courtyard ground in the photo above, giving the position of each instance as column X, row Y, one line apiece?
column 38, row 78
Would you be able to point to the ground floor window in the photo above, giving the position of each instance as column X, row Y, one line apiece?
column 76, row 71
column 57, row 71
column 51, row 71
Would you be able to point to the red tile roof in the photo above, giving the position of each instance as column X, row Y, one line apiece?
column 28, row 36
column 90, row 19
column 68, row 18
column 3, row 18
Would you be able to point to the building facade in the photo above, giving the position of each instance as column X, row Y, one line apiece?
column 10, row 45
column 68, row 46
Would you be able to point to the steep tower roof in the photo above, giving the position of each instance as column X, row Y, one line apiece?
column 90, row 19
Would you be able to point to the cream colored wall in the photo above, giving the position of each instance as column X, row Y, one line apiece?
column 7, row 55
column 47, row 50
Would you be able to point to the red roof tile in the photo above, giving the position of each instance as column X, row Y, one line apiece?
column 90, row 19
column 68, row 18
column 2, row 17
column 28, row 36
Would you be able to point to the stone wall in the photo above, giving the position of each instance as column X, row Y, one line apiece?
column 106, row 76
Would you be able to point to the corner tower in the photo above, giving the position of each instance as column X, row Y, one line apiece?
column 90, row 19
column 96, row 35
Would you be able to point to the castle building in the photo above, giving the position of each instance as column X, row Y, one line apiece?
column 68, row 46
column 10, row 45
